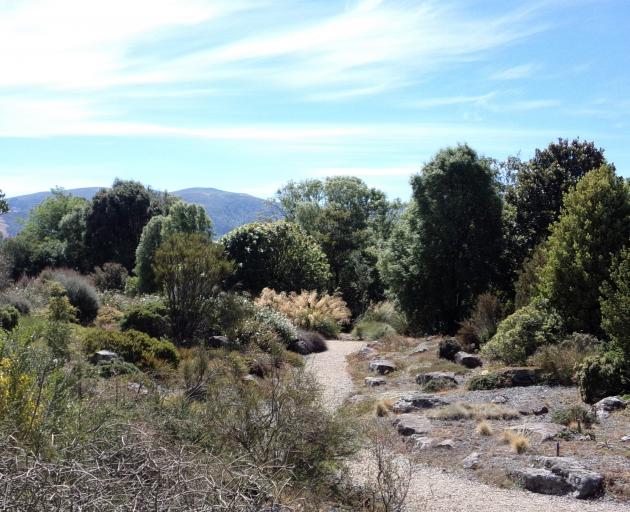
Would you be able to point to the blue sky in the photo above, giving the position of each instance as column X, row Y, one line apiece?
column 244, row 95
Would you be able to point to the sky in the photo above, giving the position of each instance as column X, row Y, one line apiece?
column 245, row 95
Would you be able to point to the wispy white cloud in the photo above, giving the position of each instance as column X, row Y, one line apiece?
column 516, row 72
column 453, row 100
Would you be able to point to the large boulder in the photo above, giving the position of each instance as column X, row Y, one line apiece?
column 410, row 424
column 367, row 353
column 472, row 461
column 605, row 406
column 409, row 403
column 468, row 360
column 541, row 481
column 583, row 482
column 535, row 407
column 425, row 378
column 382, row 366
column 217, row 342
column 519, row 377
column 104, row 356
column 375, row 381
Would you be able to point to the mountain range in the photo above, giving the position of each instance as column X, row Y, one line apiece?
column 226, row 209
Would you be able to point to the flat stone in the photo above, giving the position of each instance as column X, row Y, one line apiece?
column 533, row 408
column 584, row 483
column 541, row 481
column 409, row 424
column 499, row 399
column 472, row 461
column 382, row 366
column 447, row 443
column 425, row 378
column 375, row 381
column 625, row 439
column 409, row 403
column 423, row 442
column 545, row 431
column 468, row 360
column 605, row 406
column 420, row 349
column 104, row 356
column 367, row 353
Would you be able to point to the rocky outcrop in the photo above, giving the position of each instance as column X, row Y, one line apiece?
column 367, row 353
column 468, row 360
column 541, row 481
column 425, row 378
column 533, row 408
column 382, row 366
column 410, row 424
column 375, row 381
column 409, row 403
column 543, row 431
column 605, row 406
column 583, row 482
column 104, row 356
column 518, row 377
column 472, row 461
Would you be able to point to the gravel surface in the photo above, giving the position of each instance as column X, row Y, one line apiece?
column 433, row 489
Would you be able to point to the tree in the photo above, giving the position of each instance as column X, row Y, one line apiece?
column 446, row 249
column 277, row 255
column 182, row 218
column 539, row 187
column 593, row 226
column 615, row 302
column 116, row 219
column 349, row 221
column 190, row 269
column 4, row 206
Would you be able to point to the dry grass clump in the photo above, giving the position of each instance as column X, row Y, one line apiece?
column 383, row 408
column 466, row 411
column 483, row 428
column 518, row 442
column 308, row 310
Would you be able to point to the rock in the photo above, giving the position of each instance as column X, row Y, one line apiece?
column 468, row 360
column 625, row 439
column 382, row 366
column 409, row 424
column 472, row 461
column 375, row 381
column 104, row 356
column 367, row 353
column 425, row 378
column 420, row 349
column 541, row 481
column 139, row 389
column 249, row 378
column 423, row 442
column 605, row 406
column 546, row 431
column 499, row 399
column 584, row 483
column 535, row 408
column 217, row 341
column 447, row 443
column 419, row 401
column 519, row 377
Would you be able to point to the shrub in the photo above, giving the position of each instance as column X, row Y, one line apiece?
column 447, row 348
column 615, row 302
column 385, row 312
column 308, row 310
column 150, row 318
column 486, row 316
column 435, row 385
column 108, row 318
column 117, row 368
column 279, row 323
column 111, row 276
column 560, row 362
column 486, row 381
column 575, row 417
column 133, row 346
column 483, row 428
column 522, row 333
column 308, row 342
column 372, row 330
column 80, row 293
column 11, row 298
column 9, row 317
column 603, row 375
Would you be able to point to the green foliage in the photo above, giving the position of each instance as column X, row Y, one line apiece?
column 11, row 298
column 483, row 321
column 116, row 219
column 133, row 346
column 486, row 381
column 615, row 302
column 528, row 280
column 537, row 195
column 182, row 218
column 59, row 307
column 111, row 276
column 278, row 323
column 279, row 255
column 4, row 206
column 575, row 414
column 190, row 269
column 386, row 312
column 523, row 332
column 446, row 249
column 9, row 317
column 603, row 375
column 80, row 292
column 447, row 348
column 150, row 318
column 372, row 330
column 593, row 226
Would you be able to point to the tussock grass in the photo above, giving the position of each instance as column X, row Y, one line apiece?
column 466, row 411
column 519, row 443
column 483, row 428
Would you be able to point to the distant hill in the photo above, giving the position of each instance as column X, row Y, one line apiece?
column 226, row 209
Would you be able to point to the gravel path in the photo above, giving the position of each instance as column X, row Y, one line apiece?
column 433, row 489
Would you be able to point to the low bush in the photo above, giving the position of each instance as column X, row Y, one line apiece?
column 111, row 276
column 447, row 348
column 80, row 292
column 483, row 322
column 522, row 333
column 372, row 330
column 11, row 298
column 574, row 417
column 279, row 323
column 486, row 381
column 308, row 342
column 109, row 318
column 603, row 375
column 116, row 369
column 9, row 317
column 150, row 318
column 133, row 346
column 323, row 313
column 436, row 385
column 386, row 313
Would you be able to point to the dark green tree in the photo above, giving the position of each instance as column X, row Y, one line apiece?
column 593, row 226
column 190, row 269
column 4, row 206
column 615, row 302
column 446, row 249
column 278, row 255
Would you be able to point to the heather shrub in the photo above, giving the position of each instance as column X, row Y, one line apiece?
column 9, row 317
column 308, row 310
column 133, row 346
column 150, row 318
column 19, row 302
column 522, row 333
column 603, row 375
column 80, row 292
column 447, row 348
column 111, row 276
